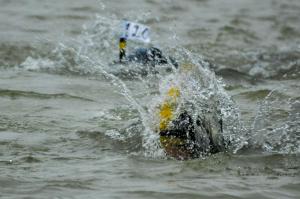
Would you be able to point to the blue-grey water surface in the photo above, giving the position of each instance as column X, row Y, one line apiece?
column 73, row 126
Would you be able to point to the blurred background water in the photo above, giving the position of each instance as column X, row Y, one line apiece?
column 73, row 126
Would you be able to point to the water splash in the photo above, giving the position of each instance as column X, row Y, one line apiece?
column 88, row 55
column 202, row 95
column 282, row 136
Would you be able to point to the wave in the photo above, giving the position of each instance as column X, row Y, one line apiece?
column 30, row 94
column 278, row 64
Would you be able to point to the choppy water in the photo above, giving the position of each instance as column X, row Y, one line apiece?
column 73, row 126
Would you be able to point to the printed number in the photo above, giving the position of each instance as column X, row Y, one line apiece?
column 127, row 29
column 136, row 30
column 145, row 33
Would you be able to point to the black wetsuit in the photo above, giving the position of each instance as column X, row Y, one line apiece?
column 184, row 127
column 150, row 56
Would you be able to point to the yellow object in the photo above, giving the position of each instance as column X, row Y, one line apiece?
column 122, row 45
column 168, row 108
column 174, row 146
column 165, row 115
column 174, row 92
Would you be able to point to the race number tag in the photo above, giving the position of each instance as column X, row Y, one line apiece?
column 135, row 31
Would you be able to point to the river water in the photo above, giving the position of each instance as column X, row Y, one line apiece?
column 74, row 126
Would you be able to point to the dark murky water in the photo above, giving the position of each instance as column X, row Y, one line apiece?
column 73, row 126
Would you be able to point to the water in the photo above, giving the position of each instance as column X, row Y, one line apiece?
column 73, row 126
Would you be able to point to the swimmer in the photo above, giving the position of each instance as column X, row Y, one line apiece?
column 146, row 56
column 184, row 135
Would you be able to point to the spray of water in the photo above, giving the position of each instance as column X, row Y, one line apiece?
column 282, row 136
column 90, row 54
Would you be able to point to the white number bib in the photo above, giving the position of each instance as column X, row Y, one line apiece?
column 136, row 31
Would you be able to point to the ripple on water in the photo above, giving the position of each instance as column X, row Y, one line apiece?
column 14, row 94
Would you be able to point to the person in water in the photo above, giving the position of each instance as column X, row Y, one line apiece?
column 147, row 56
column 181, row 135
column 184, row 135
